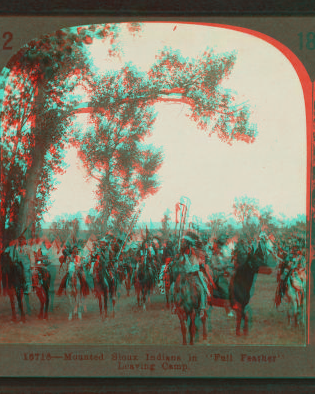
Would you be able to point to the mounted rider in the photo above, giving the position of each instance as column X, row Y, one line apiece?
column 73, row 262
column 220, row 261
column 104, row 257
column 168, row 252
column 293, row 258
column 144, row 256
column 167, row 256
column 190, row 258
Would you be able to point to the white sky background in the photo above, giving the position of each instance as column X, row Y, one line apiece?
column 210, row 172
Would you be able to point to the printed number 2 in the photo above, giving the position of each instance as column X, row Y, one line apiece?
column 8, row 37
column 309, row 42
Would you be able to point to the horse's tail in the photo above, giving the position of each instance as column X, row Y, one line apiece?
column 63, row 285
column 83, row 283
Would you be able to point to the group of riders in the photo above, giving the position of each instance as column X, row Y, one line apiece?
column 212, row 262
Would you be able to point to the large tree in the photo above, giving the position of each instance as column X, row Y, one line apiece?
column 41, row 104
column 36, row 105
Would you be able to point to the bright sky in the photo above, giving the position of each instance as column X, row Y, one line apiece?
column 208, row 171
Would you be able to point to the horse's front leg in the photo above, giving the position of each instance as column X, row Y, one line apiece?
column 100, row 304
column 238, row 320
column 182, row 318
column 46, row 296
column 51, row 299
column 40, row 295
column 192, row 327
column 69, row 293
column 138, row 291
column 128, row 284
column 105, row 301
column 27, row 302
column 204, row 325
column 80, row 305
column 113, row 298
column 167, row 294
column 171, row 298
column 144, row 294
column 245, row 318
column 209, row 318
column 47, row 299
column 12, row 293
column 19, row 294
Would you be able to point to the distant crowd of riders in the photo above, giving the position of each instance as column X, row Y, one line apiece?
column 212, row 261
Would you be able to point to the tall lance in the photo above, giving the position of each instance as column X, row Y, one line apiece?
column 177, row 208
column 185, row 204
column 133, row 222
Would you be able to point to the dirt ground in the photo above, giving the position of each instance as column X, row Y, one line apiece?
column 156, row 325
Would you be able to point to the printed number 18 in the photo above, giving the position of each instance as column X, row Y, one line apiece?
column 309, row 42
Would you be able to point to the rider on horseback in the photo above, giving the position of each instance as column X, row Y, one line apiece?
column 144, row 257
column 192, row 266
column 168, row 252
column 74, row 264
column 220, row 264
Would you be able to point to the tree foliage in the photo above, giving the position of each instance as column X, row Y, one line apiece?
column 113, row 150
column 245, row 208
column 199, row 81
column 37, row 104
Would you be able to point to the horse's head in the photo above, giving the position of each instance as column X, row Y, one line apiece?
column 258, row 259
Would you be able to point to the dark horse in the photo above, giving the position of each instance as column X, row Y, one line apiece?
column 124, row 273
column 248, row 264
column 41, row 284
column 144, row 277
column 105, row 284
column 13, row 283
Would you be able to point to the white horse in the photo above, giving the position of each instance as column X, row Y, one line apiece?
column 292, row 288
column 73, row 290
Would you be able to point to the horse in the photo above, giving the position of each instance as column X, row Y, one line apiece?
column 248, row 264
column 73, row 291
column 13, row 283
column 105, row 285
column 41, row 279
column 165, row 280
column 164, row 277
column 124, row 272
column 187, row 299
column 87, row 272
column 45, row 265
column 292, row 287
column 144, row 278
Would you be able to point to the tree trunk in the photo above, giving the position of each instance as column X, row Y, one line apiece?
column 108, row 204
column 27, row 206
column 33, row 174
